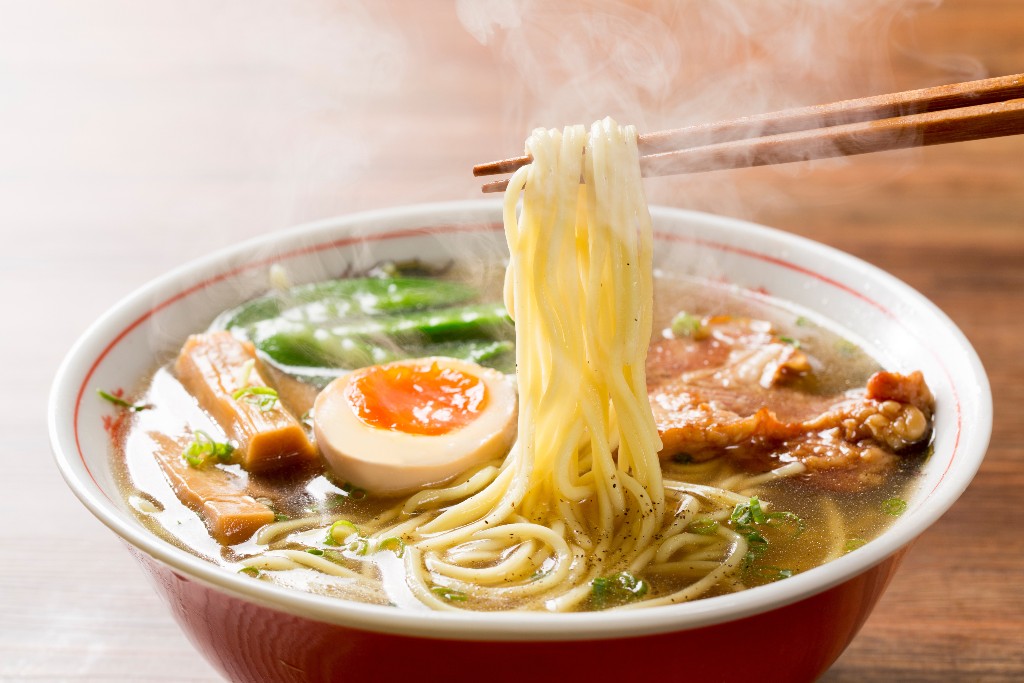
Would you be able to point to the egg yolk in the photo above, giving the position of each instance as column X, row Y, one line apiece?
column 416, row 399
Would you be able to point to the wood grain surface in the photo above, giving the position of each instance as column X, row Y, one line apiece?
column 135, row 136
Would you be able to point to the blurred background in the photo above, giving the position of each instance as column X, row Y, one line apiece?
column 135, row 136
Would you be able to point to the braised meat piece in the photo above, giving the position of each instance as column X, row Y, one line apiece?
column 730, row 392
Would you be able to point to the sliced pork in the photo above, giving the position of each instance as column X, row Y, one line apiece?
column 737, row 390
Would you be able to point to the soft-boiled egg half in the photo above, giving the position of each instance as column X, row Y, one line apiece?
column 396, row 428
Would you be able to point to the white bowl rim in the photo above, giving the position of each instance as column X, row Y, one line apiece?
column 509, row 626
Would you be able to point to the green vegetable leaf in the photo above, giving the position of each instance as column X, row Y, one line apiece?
column 324, row 302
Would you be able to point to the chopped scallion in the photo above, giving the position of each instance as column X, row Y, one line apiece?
column 203, row 449
column 705, row 526
column 772, row 573
column 748, row 513
column 853, row 544
column 686, row 325
column 845, row 347
column 118, row 401
column 353, row 491
column 251, row 571
column 757, row 546
column 342, row 526
column 894, row 507
column 314, row 551
column 754, row 538
column 360, row 546
column 784, row 517
column 263, row 397
column 449, row 594
column 617, row 589
column 392, row 543
column 334, row 556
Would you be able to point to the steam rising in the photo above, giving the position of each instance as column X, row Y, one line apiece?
column 663, row 65
column 240, row 118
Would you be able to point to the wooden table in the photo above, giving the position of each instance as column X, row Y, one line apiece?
column 135, row 136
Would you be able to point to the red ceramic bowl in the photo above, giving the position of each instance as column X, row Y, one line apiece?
column 791, row 630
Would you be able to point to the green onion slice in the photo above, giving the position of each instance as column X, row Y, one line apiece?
column 745, row 514
column 687, row 325
column 845, row 347
column 392, row 543
column 617, row 589
column 754, row 538
column 757, row 545
column 853, row 544
column 449, row 594
column 772, row 573
column 360, row 546
column 894, row 507
column 263, row 397
column 786, row 518
column 118, row 401
column 705, row 526
column 342, row 526
column 353, row 491
column 203, row 449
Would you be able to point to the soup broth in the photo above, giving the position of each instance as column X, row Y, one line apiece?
column 783, row 513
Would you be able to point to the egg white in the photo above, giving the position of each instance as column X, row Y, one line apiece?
column 389, row 462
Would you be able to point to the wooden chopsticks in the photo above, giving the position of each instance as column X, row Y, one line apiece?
column 975, row 110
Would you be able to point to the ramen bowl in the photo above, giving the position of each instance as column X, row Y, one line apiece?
column 790, row 630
